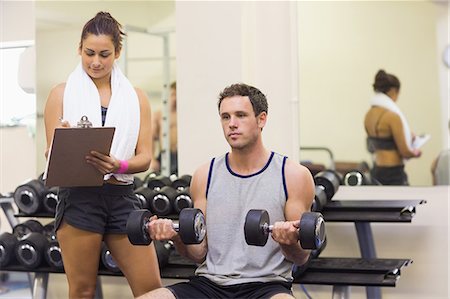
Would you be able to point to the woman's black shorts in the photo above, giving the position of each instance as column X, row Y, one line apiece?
column 101, row 210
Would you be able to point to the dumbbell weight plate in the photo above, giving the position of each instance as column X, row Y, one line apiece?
column 192, row 226
column 7, row 246
column 182, row 182
column 254, row 227
column 312, row 230
column 137, row 227
column 31, row 225
column 330, row 180
column 28, row 197
column 53, row 255
column 30, row 250
column 182, row 200
column 50, row 200
column 108, row 260
column 320, row 199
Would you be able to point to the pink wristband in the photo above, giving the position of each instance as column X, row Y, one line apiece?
column 123, row 166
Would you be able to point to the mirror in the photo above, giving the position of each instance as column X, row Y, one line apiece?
column 342, row 45
column 147, row 56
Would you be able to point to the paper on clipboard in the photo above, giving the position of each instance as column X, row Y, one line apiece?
column 420, row 140
column 66, row 163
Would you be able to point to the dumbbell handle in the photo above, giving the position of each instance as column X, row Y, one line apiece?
column 268, row 228
column 175, row 226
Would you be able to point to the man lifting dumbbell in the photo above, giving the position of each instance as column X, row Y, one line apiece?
column 248, row 177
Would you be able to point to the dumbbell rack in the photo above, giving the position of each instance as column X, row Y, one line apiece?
column 362, row 213
column 39, row 280
column 338, row 272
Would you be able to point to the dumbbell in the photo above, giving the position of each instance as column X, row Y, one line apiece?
column 191, row 226
column 28, row 196
column 52, row 253
column 145, row 195
column 29, row 226
column 182, row 182
column 137, row 182
column 50, row 200
column 326, row 185
column 161, row 203
column 311, row 231
column 49, row 230
column 8, row 244
column 158, row 182
column 30, row 250
column 357, row 177
column 182, row 200
column 108, row 260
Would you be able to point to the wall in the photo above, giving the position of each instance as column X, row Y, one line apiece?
column 64, row 21
column 17, row 144
column 343, row 45
column 424, row 241
column 209, row 58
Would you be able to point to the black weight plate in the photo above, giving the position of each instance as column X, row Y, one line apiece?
column 28, row 197
column 50, row 200
column 30, row 250
column 312, row 230
column 137, row 227
column 53, row 255
column 354, row 178
column 108, row 260
column 192, row 226
column 330, row 180
column 182, row 200
column 7, row 246
column 254, row 231
column 320, row 199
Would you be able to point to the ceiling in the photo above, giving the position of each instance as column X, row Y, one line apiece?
column 52, row 15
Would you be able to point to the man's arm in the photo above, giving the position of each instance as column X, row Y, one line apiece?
column 300, row 188
column 161, row 229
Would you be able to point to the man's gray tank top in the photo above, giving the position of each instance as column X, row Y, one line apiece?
column 230, row 196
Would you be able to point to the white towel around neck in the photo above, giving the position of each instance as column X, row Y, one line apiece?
column 81, row 97
column 384, row 101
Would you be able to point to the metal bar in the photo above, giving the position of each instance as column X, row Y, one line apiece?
column 321, row 148
column 367, row 248
column 165, row 126
column 98, row 289
column 40, row 285
column 341, row 292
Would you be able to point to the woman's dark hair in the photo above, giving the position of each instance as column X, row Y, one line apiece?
column 257, row 98
column 104, row 23
column 384, row 82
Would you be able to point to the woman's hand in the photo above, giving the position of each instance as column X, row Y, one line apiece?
column 104, row 163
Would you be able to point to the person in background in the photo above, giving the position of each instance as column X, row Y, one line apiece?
column 157, row 134
column 440, row 167
column 86, row 216
column 248, row 177
column 389, row 136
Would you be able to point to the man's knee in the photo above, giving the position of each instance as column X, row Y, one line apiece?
column 161, row 293
column 282, row 296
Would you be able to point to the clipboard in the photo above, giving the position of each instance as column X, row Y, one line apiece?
column 420, row 140
column 66, row 164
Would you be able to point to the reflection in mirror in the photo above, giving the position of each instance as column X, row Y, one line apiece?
column 341, row 47
column 147, row 57
column 17, row 112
